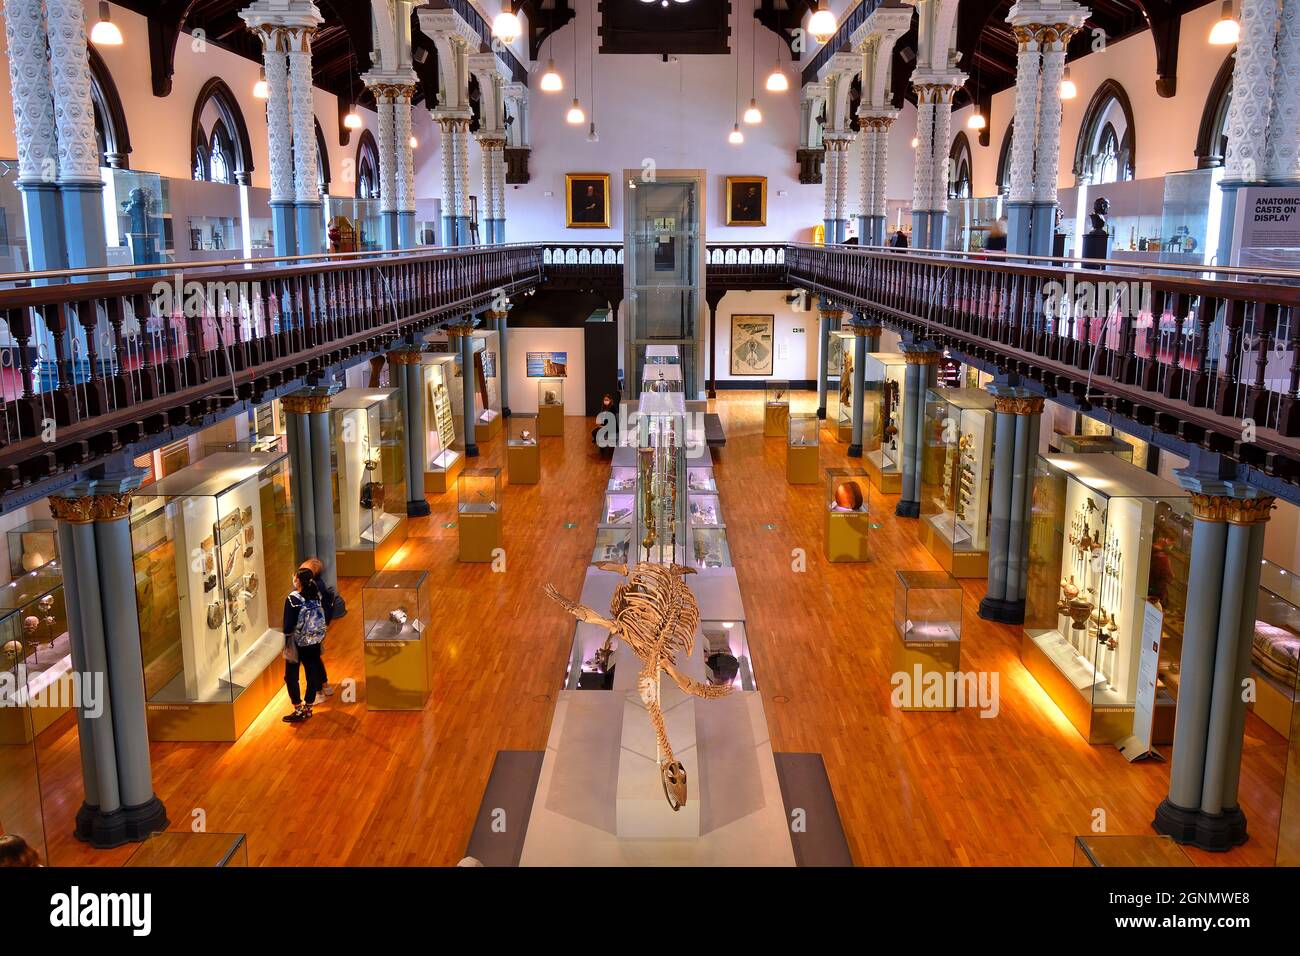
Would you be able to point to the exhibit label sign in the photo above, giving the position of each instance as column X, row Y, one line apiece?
column 547, row 364
column 1138, row 745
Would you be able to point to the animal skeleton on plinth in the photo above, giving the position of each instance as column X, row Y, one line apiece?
column 655, row 612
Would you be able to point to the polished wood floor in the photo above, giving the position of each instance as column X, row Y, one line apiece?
column 352, row 787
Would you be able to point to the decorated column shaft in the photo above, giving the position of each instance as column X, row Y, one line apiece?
column 828, row 321
column 861, row 335
column 387, row 165
column 919, row 375
column 1017, row 417
column 1020, row 199
column 405, row 161
column 923, row 172
column 306, row 185
column 1047, row 148
column 502, row 319
column 409, row 380
column 461, row 337
column 867, row 175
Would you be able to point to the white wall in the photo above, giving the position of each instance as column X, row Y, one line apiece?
column 523, row 390
column 796, row 352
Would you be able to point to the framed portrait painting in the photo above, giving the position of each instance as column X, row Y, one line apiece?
column 751, row 344
column 746, row 200
column 586, row 200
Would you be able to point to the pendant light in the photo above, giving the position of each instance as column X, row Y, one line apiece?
column 506, row 26
column 352, row 120
column 735, row 137
column 415, row 143
column 1225, row 32
column 575, row 116
column 1068, row 90
column 592, row 135
column 552, row 82
column 776, row 80
column 822, row 25
column 105, row 32
column 260, row 89
column 753, row 115
column 976, row 120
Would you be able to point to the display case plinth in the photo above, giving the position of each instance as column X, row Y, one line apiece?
column 887, row 482
column 802, row 465
column 776, row 420
column 960, row 564
column 844, row 432
column 361, row 563
column 444, row 480
column 550, row 421
column 927, row 664
column 1274, row 704
column 524, row 463
column 846, row 536
column 480, row 536
column 485, row 431
column 215, row 721
column 397, row 673
column 641, row 812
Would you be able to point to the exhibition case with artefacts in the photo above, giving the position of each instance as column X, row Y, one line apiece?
column 802, row 450
column 487, row 384
column 847, row 506
column 612, row 543
column 883, row 438
column 927, row 621
column 1109, row 548
column 956, row 476
column 443, row 460
column 726, row 654
column 369, row 462
column 840, row 363
column 1094, row 445
column 776, row 408
column 660, row 521
column 395, row 614
column 35, row 651
column 1275, row 647
column 478, row 508
column 523, row 453
column 214, row 554
column 32, row 545
column 550, row 406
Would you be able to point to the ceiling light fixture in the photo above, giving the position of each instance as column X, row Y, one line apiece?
column 105, row 32
column 352, row 120
column 415, row 143
column 260, row 89
column 575, row 116
column 1227, row 30
column 915, row 142
column 822, row 25
column 976, row 120
column 552, row 82
column 506, row 26
column 592, row 135
column 753, row 116
column 1068, row 90
column 735, row 137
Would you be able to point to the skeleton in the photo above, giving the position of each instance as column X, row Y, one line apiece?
column 655, row 612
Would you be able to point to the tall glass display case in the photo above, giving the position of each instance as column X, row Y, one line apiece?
column 956, row 475
column 35, row 650
column 369, row 478
column 927, row 621
column 20, row 784
column 213, row 553
column 840, row 358
column 523, row 453
column 847, row 505
column 883, row 438
column 550, row 407
column 1275, row 647
column 396, row 609
column 478, row 507
column 1108, row 563
column 443, row 461
column 660, row 503
column 776, row 408
column 802, row 450
column 487, row 381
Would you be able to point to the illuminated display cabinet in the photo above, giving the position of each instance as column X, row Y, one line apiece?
column 32, row 546
column 927, row 621
column 839, row 368
column 550, row 407
column 884, row 443
column 369, row 460
column 1275, row 648
column 802, row 450
column 1109, row 547
column 488, row 384
column 478, row 506
column 444, row 461
column 612, row 542
column 956, row 472
column 395, row 614
column 523, row 453
column 725, row 645
column 847, row 505
column 776, row 408
column 35, row 651
column 213, row 553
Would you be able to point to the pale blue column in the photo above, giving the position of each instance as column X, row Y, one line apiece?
column 920, row 229
column 284, row 231
column 89, row 809
column 1004, row 441
column 503, row 364
column 43, row 219
column 498, row 227
column 449, row 231
column 83, row 224
column 406, row 238
column 1017, row 418
column 1022, row 469
column 864, row 230
column 920, row 359
column 859, row 389
column 410, row 384
column 823, row 348
column 310, row 228
column 322, row 501
column 467, row 385
column 1042, row 229
column 301, row 484
column 938, row 228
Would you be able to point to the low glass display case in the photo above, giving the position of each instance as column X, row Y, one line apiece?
column 619, row 506
column 1275, row 647
column 1123, row 850
column 443, row 460
column 725, row 645
column 20, row 783
column 35, row 650
column 621, row 478
column 369, row 461
column 523, row 453
column 846, row 502
column 213, row 548
column 478, row 505
column 956, row 476
column 33, row 545
column 883, row 439
column 927, row 620
column 705, row 510
column 612, row 543
column 802, row 451
column 709, row 548
column 488, row 384
column 700, row 478
column 1109, row 549
column 550, row 406
column 776, row 407
column 396, row 611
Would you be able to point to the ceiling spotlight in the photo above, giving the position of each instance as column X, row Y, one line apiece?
column 260, row 88
column 575, row 116
column 752, row 115
column 976, row 120
column 1225, row 32
column 506, row 27
column 105, row 32
column 736, row 137
column 822, row 25
column 1068, row 90
column 352, row 120
column 551, row 80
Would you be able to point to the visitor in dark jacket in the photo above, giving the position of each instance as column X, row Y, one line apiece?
column 304, row 629
column 899, row 241
column 329, row 602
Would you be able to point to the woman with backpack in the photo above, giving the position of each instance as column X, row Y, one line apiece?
column 304, row 629
column 331, row 604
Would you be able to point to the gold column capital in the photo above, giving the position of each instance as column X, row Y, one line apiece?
column 1225, row 508
column 404, row 356
column 921, row 358
column 305, row 404
column 831, row 314
column 1018, row 404
column 459, row 330
column 86, row 509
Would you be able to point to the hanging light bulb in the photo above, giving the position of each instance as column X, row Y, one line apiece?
column 976, row 120
column 776, row 81
column 1225, row 32
column 592, row 136
column 260, row 89
column 415, row 143
column 1068, row 90
column 822, row 25
column 915, row 142
column 105, row 32
column 575, row 116
column 552, row 82
column 736, row 137
column 352, row 120
column 753, row 116
column 506, row 27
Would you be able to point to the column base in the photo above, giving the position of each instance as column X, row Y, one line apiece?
column 389, row 227
column 908, row 509
column 83, row 224
column 43, row 216
column 1043, row 228
column 104, row 831
column 1216, row 832
column 920, row 229
column 406, row 238
column 471, row 451
column 821, row 413
column 855, row 451
column 311, row 228
column 284, row 235
column 449, row 231
column 418, row 508
column 1002, row 611
column 505, row 411
column 1019, row 218
column 938, row 228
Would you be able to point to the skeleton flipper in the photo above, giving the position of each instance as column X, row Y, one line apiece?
column 580, row 611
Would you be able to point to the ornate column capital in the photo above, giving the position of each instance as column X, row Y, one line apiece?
column 404, row 356
column 460, row 330
column 861, row 331
column 1222, row 509
column 921, row 357
column 831, row 313
column 1018, row 404
column 308, row 403
column 85, row 509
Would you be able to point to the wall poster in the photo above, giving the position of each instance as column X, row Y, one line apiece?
column 751, row 344
column 547, row 364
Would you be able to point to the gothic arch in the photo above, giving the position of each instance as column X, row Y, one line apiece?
column 1093, row 119
column 1210, row 137
column 322, row 158
column 110, row 118
column 367, row 168
column 1004, row 160
column 232, row 118
column 960, row 168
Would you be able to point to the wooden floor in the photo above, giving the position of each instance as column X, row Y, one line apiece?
column 351, row 787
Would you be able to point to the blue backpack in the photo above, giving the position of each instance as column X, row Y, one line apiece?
column 311, row 624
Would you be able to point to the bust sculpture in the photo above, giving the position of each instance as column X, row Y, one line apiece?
column 1100, row 209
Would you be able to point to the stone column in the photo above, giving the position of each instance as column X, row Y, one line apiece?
column 1222, row 592
column 880, row 190
column 33, row 106
column 944, row 93
column 301, row 484
column 860, row 335
column 409, row 374
column 322, row 503
column 461, row 338
column 279, row 138
column 923, row 172
column 502, row 318
column 922, row 360
column 1020, row 199
column 830, row 318
column 487, row 143
column 1017, row 417
column 830, row 182
column 1047, row 148
column 104, row 633
column 1282, row 153
column 387, row 165
column 306, row 187
column 406, row 238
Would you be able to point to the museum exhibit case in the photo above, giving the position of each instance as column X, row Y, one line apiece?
column 848, row 519
column 725, row 646
column 1144, row 850
column 883, row 438
column 396, row 608
column 839, row 359
column 478, row 509
column 802, row 450
column 1275, row 647
column 1094, row 445
column 550, row 407
column 660, row 503
column 709, row 547
column 369, row 462
column 35, row 650
column 956, row 475
column 443, row 460
column 927, row 623
column 1109, row 547
column 700, row 478
column 488, row 385
column 190, row 849
column 213, row 553
column 21, row 812
column 523, row 453
column 612, row 542
column 776, row 408
column 32, row 545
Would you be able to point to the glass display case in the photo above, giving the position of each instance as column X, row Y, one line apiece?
column 191, row 850
column 1275, row 647
column 1094, row 445
column 705, row 510
column 1108, row 562
column 1100, row 849
column 840, row 358
column 621, row 478
column 20, row 783
column 138, row 220
column 33, row 545
column 927, row 620
column 478, row 506
column 847, row 506
column 488, row 384
column 550, row 407
column 660, row 510
column 612, row 543
column 776, row 408
column 35, row 650
column 802, row 451
column 883, row 439
column 725, row 646
column 443, row 460
column 619, row 506
column 700, row 479
column 396, row 611
column 956, row 476
column 369, row 463
column 709, row 547
column 213, row 548
column 523, row 453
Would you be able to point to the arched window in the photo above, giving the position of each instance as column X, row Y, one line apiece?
column 219, row 134
column 1212, row 137
column 200, row 163
column 368, row 185
column 1004, row 161
column 220, row 159
column 1105, row 167
column 112, row 141
column 1104, row 151
column 959, row 165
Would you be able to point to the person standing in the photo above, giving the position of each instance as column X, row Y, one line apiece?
column 329, row 604
column 304, row 629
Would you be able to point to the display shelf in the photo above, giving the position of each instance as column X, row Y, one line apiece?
column 369, row 465
column 1107, row 541
column 35, row 651
column 884, row 443
column 725, row 647
column 709, row 548
column 213, row 552
column 478, row 505
column 802, row 451
column 396, row 613
column 705, row 510
column 841, row 352
column 1275, row 647
column 32, row 545
column 776, row 408
column 846, row 502
column 550, row 407
column 612, row 544
column 444, row 462
column 523, row 453
column 956, row 475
